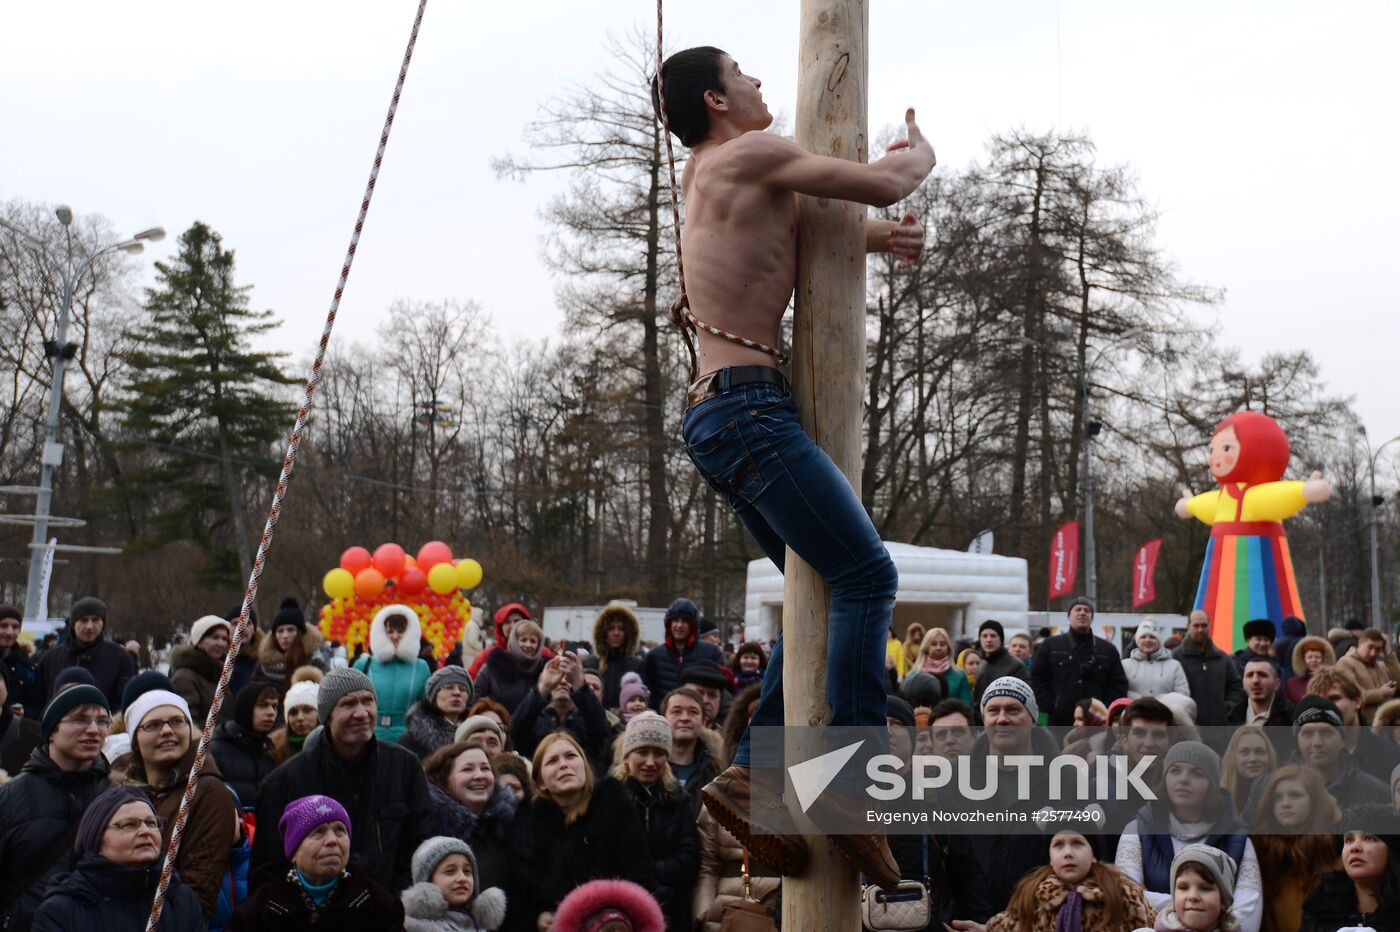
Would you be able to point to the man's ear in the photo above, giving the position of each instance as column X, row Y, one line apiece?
column 716, row 100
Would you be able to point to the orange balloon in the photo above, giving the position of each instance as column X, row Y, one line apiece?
column 369, row 583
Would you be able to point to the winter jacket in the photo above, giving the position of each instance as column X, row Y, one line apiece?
column 709, row 751
column 507, row 680
column 426, row 729
column 1293, row 631
column 21, row 681
column 104, row 896
column 669, row 824
column 535, row 718
column 1069, row 667
column 208, row 835
column 1001, row 663
column 235, row 886
column 1215, row 683
column 470, row 646
column 1333, row 906
column 19, row 736
column 37, row 807
column 196, row 677
column 245, row 759
column 398, row 673
column 384, row 792
column 665, row 662
column 425, row 910
column 957, row 881
column 1154, row 675
column 549, row 858
column 488, row 833
column 721, row 874
column 953, row 681
column 1371, row 677
column 357, row 904
column 501, row 642
column 110, row 664
column 612, row 665
column 274, row 667
column 1297, row 686
column 1050, row 895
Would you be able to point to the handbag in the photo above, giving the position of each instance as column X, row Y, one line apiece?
column 748, row 914
column 903, row 909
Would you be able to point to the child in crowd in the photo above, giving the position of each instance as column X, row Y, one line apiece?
column 446, row 895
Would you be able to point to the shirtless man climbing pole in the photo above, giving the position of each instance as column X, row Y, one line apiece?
column 741, row 426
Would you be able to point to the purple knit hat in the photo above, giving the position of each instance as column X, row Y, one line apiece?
column 302, row 816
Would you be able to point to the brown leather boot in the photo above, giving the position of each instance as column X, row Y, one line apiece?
column 872, row 857
column 729, row 799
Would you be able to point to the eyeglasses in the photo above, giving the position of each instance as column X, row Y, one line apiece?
column 177, row 723
column 153, row 824
column 84, row 722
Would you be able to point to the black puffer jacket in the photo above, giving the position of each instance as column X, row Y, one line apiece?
column 21, row 681
column 245, row 759
column 384, row 792
column 1333, row 906
column 549, row 858
column 1069, row 667
column 1215, row 683
column 1001, row 663
column 110, row 664
column 674, row 843
column 36, row 809
column 612, row 665
column 535, row 718
column 104, row 896
column 958, row 882
column 505, row 680
column 665, row 663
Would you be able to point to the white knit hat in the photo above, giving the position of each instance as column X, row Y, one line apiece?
column 115, row 746
column 206, row 624
column 305, row 692
column 142, row 705
column 1147, row 626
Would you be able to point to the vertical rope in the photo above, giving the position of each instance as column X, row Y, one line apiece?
column 250, row 594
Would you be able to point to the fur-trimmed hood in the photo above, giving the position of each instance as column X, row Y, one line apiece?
column 425, row 901
column 382, row 649
column 189, row 657
column 1387, row 714
column 600, row 626
column 268, row 652
column 1329, row 656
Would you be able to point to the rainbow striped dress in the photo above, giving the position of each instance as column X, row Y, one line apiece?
column 1248, row 572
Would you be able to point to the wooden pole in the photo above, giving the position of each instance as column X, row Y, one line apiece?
column 829, row 383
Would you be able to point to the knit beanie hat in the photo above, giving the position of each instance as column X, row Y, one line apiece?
column 899, row 710
column 524, row 626
column 289, row 613
column 73, row 676
column 144, row 683
column 595, row 904
column 68, row 700
column 1197, row 755
column 1081, row 600
column 1015, row 688
column 431, row 853
column 632, row 688
column 1259, row 627
column 477, row 723
column 142, row 705
column 9, row 611
column 206, row 624
column 922, row 688
column 993, row 625
column 450, row 674
column 115, row 746
column 1218, row 866
column 647, row 730
column 1148, row 626
column 87, row 606
column 1314, row 708
column 302, row 816
column 100, row 811
column 304, row 693
column 246, row 700
column 339, row 683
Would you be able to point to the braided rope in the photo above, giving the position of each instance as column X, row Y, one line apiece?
column 681, row 314
column 250, row 595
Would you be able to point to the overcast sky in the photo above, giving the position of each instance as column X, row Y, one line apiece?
column 1265, row 132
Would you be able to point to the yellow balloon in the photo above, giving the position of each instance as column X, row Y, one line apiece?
column 339, row 583
column 468, row 574
column 442, row 578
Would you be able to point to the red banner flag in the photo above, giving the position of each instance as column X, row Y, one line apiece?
column 1064, row 559
column 1145, row 572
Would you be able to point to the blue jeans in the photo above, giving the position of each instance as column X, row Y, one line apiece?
column 748, row 444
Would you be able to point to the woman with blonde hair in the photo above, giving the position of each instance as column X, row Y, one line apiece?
column 574, row 830
column 936, row 657
column 1249, row 756
column 1294, row 839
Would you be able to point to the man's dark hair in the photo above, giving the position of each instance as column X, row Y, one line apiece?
column 687, row 76
column 951, row 707
column 1147, row 709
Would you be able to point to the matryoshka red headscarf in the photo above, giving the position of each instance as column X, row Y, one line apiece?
column 1263, row 448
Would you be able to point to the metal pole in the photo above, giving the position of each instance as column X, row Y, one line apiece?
column 1091, row 557
column 52, row 457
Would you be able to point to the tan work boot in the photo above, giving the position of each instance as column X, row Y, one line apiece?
column 872, row 857
column 729, row 799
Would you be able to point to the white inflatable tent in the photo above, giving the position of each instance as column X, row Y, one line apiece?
column 951, row 589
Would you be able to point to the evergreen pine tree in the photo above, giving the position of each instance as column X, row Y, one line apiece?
column 202, row 408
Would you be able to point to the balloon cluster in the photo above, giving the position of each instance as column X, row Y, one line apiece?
column 430, row 583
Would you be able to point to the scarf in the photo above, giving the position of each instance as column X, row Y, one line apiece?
column 938, row 666
column 1070, row 918
column 315, row 895
column 295, row 740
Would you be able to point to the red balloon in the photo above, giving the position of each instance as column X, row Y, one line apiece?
column 369, row 583
column 432, row 553
column 388, row 559
column 412, row 581
column 355, row 559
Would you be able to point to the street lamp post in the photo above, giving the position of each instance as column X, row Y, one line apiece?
column 1091, row 430
column 70, row 270
column 1376, row 502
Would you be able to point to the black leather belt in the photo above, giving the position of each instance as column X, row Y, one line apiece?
column 722, row 380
